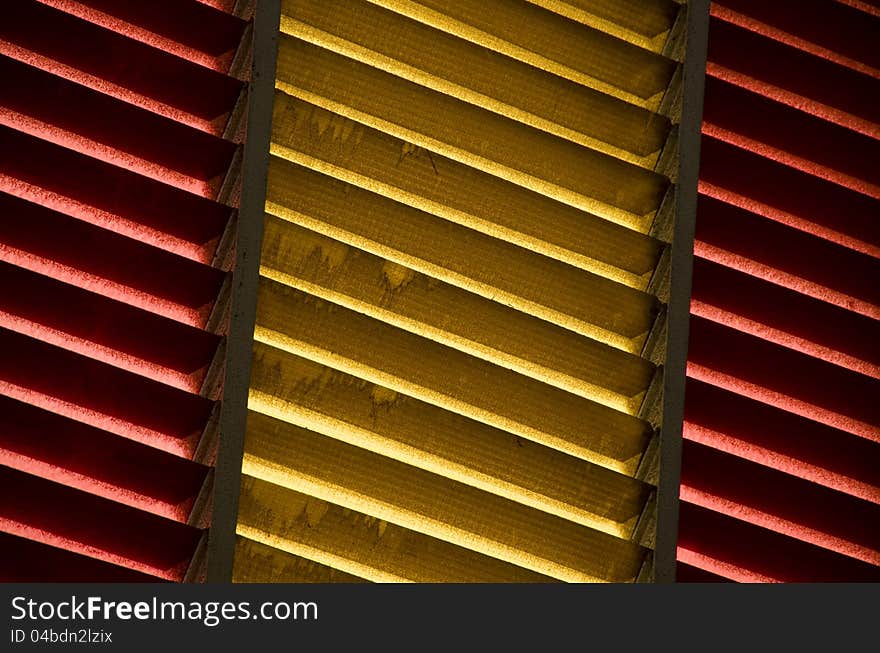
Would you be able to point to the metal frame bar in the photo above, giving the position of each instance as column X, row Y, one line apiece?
column 680, row 292
column 245, row 277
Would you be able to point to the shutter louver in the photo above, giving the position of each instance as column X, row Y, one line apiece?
column 120, row 126
column 781, row 465
column 461, row 292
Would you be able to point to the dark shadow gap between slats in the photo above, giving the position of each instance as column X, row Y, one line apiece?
column 788, row 249
column 26, row 561
column 780, row 308
column 784, row 433
column 159, row 208
column 106, row 322
column 809, row 198
column 93, row 386
column 124, row 465
column 92, row 521
column 794, row 70
column 796, row 375
column 764, row 552
column 95, row 251
column 118, row 59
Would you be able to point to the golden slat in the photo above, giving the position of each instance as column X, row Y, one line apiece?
column 369, row 284
column 459, row 68
column 648, row 17
column 310, row 136
column 466, row 133
column 260, row 563
column 338, row 473
column 645, row 23
column 589, row 304
column 454, row 294
column 347, row 408
column 550, row 41
column 351, row 342
column 369, row 548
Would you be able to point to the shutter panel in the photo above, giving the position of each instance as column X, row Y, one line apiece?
column 459, row 292
column 781, row 467
column 118, row 172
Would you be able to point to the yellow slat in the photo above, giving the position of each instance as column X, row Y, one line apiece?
column 350, row 342
column 469, row 134
column 645, row 23
column 371, row 549
column 377, row 287
column 256, row 562
column 368, row 158
column 455, row 292
column 550, row 41
column 589, row 304
column 344, row 407
column 338, row 473
column 459, row 68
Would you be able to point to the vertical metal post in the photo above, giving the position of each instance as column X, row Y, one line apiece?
column 245, row 277
column 680, row 291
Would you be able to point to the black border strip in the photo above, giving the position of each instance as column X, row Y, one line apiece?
column 680, row 291
column 245, row 277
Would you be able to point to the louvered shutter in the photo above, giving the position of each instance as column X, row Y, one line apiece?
column 119, row 123
column 781, row 467
column 458, row 307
